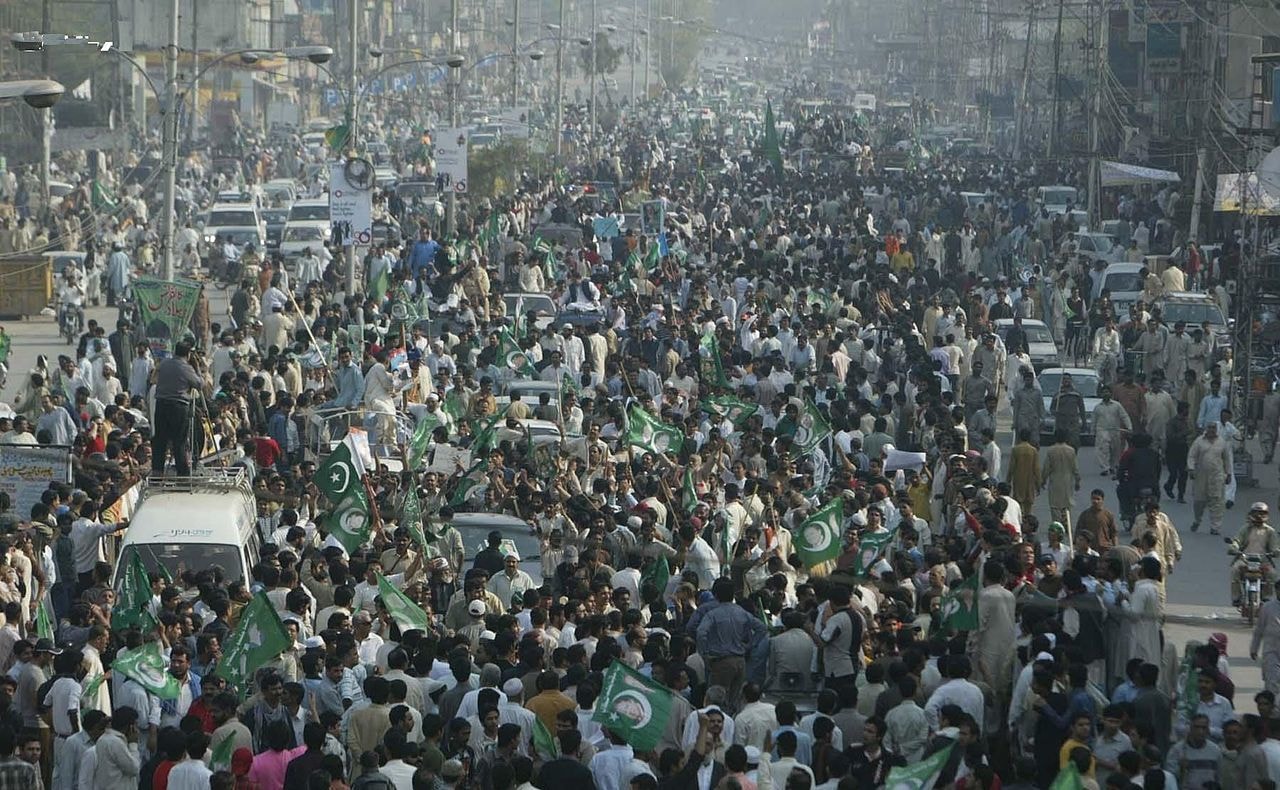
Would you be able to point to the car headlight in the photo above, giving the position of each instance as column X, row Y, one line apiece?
column 210, row 238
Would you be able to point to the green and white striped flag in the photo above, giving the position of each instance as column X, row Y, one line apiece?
column 147, row 667
column 406, row 614
column 818, row 539
column 650, row 434
column 44, row 620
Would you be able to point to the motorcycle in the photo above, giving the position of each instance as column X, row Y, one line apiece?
column 1254, row 580
column 70, row 322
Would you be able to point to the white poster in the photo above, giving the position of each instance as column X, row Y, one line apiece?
column 451, row 159
column 26, row 471
column 350, row 208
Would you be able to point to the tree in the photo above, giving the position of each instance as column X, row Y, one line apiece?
column 681, row 42
column 607, row 58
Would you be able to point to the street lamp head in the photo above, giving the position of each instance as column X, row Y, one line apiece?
column 250, row 58
column 375, row 51
column 455, row 61
column 318, row 55
column 584, row 41
column 537, row 55
column 553, row 27
column 40, row 94
column 610, row 28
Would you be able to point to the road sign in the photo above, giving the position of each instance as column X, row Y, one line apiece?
column 350, row 209
column 451, row 158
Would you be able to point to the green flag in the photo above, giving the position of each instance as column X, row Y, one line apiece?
column 406, row 614
column 336, row 137
column 547, row 746
column 147, row 667
column 711, row 365
column 100, row 198
column 484, row 436
column 653, row 257
column 1189, row 694
column 379, row 286
column 658, row 572
column 220, row 760
column 688, row 491
column 5, row 344
column 91, row 688
column 736, row 410
column 133, row 596
column 633, row 706
column 44, row 622
column 920, row 775
column 411, row 516
column 870, row 546
column 259, row 638
column 339, row 478
column 427, row 423
column 959, row 607
column 650, row 434
column 453, row 406
column 811, row 429
column 1068, row 778
column 514, row 357
column 772, row 149
column 818, row 539
column 462, row 488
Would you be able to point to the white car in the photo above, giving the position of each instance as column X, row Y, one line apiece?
column 239, row 220
column 1084, row 381
column 1040, row 344
column 298, row 236
column 1094, row 247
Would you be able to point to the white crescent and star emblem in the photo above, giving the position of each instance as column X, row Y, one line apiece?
column 340, row 477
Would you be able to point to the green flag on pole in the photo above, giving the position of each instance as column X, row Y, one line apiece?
column 148, row 667
column 736, row 410
column 959, row 607
column 688, row 491
column 652, row 257
column 920, row 775
column 220, row 759
column 259, row 637
column 650, row 434
column 411, row 517
column 811, row 429
column 818, row 539
column 633, row 706
column 340, row 479
column 133, row 596
column 406, row 614
column 712, row 367
column 516, row 358
column 870, row 546
column 44, row 621
column 421, row 439
column 772, row 148
column 657, row 572
column 547, row 746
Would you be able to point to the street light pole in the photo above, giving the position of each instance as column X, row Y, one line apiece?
column 648, row 42
column 451, row 202
column 515, row 55
column 350, row 142
column 595, row 40
column 635, row 25
column 170, row 140
column 560, row 83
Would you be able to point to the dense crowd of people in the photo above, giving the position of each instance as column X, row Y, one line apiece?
column 755, row 443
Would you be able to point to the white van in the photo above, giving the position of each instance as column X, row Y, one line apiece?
column 194, row 523
column 1056, row 198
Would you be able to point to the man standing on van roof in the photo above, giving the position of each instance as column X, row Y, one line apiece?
column 175, row 380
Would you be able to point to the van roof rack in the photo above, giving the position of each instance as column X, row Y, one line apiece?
column 211, row 479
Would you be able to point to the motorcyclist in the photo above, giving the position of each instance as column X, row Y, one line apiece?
column 71, row 298
column 1257, row 537
column 1106, row 351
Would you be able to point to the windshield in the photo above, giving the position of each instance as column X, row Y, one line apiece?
column 475, row 535
column 303, row 233
column 1122, row 282
column 412, row 189
column 309, row 212
column 1087, row 386
column 1058, row 197
column 220, row 218
column 178, row 558
column 541, row 304
column 1193, row 313
column 1037, row 334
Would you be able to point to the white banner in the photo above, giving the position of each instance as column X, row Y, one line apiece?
column 451, row 159
column 88, row 138
column 26, row 472
column 350, row 208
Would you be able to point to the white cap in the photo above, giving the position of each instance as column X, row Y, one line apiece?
column 476, row 608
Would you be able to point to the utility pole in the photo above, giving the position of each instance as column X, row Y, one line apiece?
column 562, row 33
column 591, row 132
column 195, row 69
column 1020, row 122
column 1212, row 44
column 648, row 43
column 352, row 116
column 451, row 202
column 635, row 31
column 46, row 117
column 515, row 54
column 1054, row 129
column 169, row 134
column 1097, row 52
